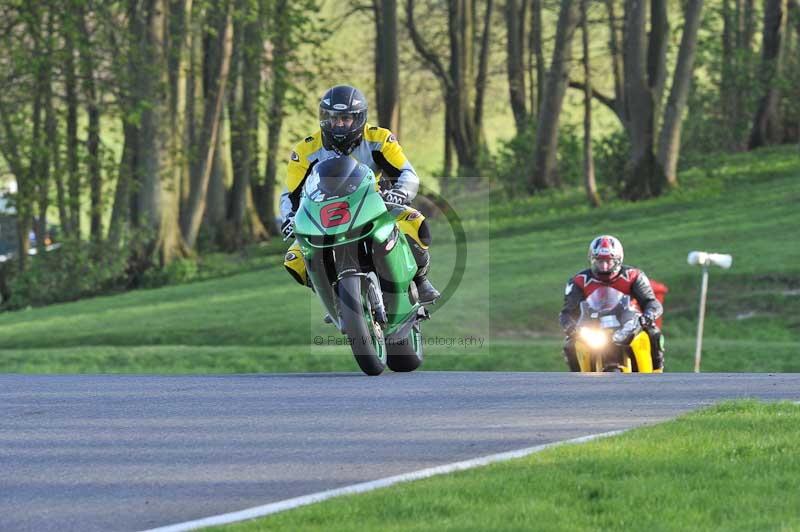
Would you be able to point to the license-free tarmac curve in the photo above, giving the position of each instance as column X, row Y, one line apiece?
column 128, row 453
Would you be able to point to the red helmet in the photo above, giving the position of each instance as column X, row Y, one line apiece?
column 605, row 256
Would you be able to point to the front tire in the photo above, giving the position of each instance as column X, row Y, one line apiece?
column 363, row 332
column 406, row 355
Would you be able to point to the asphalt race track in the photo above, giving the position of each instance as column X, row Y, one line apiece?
column 129, row 453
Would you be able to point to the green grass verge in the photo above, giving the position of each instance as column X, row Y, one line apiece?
column 520, row 253
column 731, row 467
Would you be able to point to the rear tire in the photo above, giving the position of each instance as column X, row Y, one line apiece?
column 363, row 332
column 405, row 355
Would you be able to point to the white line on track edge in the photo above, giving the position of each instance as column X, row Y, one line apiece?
column 288, row 504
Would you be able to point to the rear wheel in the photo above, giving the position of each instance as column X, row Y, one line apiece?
column 358, row 320
column 406, row 354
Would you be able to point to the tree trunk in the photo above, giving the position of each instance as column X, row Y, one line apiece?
column 154, row 149
column 535, row 38
column 387, row 78
column 158, row 193
column 72, row 226
column 515, row 65
column 93, row 137
column 546, row 144
column 120, row 212
column 791, row 124
column 588, row 159
column 223, row 233
column 644, row 176
column 95, row 176
column 447, row 166
column 461, row 32
column 617, row 65
column 180, row 45
column 27, row 184
column 458, row 97
column 749, row 23
column 40, row 155
column 51, row 128
column 55, row 156
column 657, row 51
column 251, row 59
column 51, row 158
column 24, row 224
column 195, row 90
column 766, row 123
column 26, row 188
column 215, row 217
column 190, row 224
column 731, row 72
column 125, row 210
column 728, row 39
column 264, row 196
column 480, row 80
column 669, row 142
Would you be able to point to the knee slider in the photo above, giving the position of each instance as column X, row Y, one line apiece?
column 412, row 223
column 293, row 262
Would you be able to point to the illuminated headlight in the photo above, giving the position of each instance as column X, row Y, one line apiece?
column 594, row 338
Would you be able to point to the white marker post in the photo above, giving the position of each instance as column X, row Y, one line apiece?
column 705, row 259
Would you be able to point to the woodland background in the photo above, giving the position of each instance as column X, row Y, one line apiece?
column 144, row 135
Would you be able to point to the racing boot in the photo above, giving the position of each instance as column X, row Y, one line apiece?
column 657, row 349
column 427, row 292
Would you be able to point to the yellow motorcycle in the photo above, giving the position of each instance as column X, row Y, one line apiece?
column 610, row 336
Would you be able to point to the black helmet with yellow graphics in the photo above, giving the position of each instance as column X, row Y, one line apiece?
column 342, row 116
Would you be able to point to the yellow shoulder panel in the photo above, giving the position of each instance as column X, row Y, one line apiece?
column 376, row 134
column 390, row 148
column 299, row 160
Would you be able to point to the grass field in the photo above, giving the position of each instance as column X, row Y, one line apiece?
column 735, row 466
column 502, row 316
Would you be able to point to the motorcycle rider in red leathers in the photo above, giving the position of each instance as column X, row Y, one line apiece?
column 607, row 270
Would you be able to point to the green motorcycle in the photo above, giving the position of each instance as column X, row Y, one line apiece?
column 360, row 265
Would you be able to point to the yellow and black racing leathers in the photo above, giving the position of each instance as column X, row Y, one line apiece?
column 380, row 151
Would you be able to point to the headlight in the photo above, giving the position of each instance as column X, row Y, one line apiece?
column 594, row 338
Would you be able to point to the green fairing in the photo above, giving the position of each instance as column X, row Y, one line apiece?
column 368, row 220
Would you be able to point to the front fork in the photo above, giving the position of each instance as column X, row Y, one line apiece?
column 373, row 294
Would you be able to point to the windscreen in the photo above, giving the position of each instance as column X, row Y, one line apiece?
column 334, row 178
column 604, row 299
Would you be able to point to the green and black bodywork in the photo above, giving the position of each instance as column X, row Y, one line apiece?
column 360, row 265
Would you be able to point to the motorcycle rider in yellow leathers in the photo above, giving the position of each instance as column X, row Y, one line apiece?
column 344, row 131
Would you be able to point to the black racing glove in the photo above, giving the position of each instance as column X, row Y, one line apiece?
column 287, row 227
column 647, row 320
column 395, row 196
column 569, row 330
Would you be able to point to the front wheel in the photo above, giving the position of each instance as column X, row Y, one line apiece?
column 358, row 321
column 406, row 354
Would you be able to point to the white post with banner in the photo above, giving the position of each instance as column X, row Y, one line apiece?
column 705, row 259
